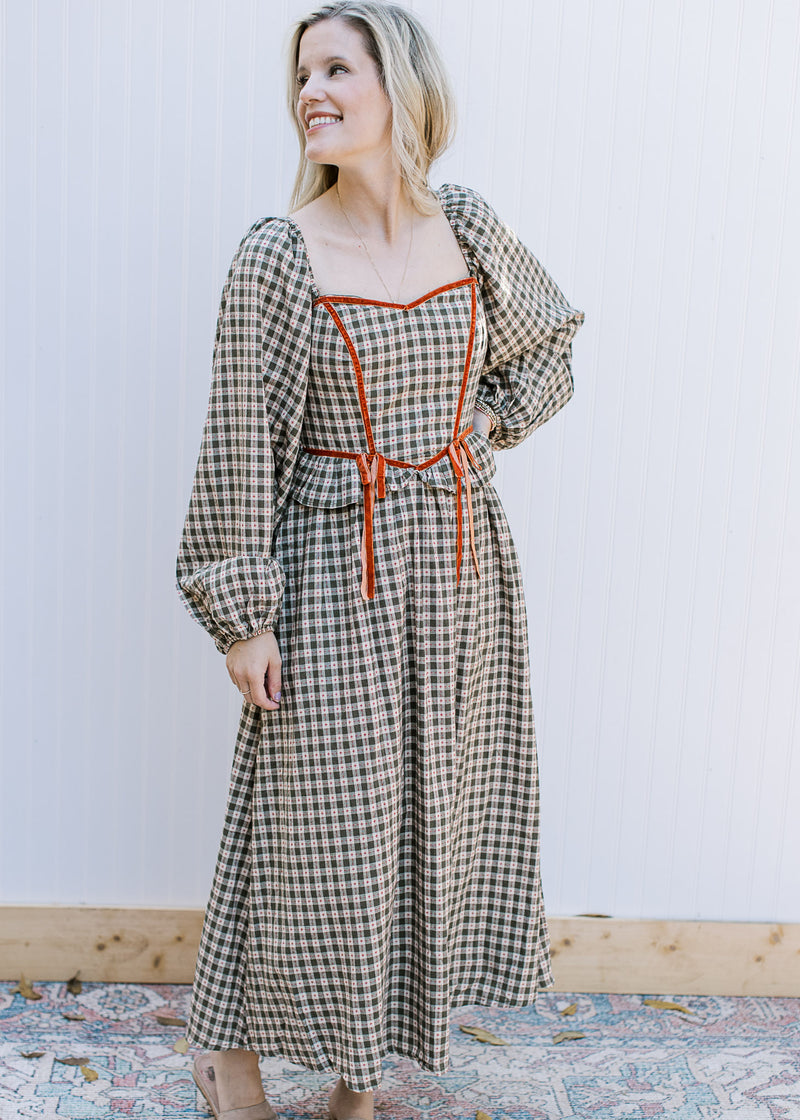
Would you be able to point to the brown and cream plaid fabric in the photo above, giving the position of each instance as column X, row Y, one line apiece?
column 379, row 862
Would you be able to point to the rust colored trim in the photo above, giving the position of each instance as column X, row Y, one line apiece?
column 468, row 362
column 362, row 396
column 325, row 300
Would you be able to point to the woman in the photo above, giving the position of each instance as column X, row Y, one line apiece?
column 347, row 552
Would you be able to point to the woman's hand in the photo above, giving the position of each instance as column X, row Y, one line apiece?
column 254, row 666
column 481, row 422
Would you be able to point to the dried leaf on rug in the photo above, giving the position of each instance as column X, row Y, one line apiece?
column 25, row 989
column 74, row 1016
column 73, row 1061
column 181, row 1046
column 668, row 1005
column 74, row 986
column 170, row 1021
column 482, row 1035
column 567, row 1036
column 573, row 1007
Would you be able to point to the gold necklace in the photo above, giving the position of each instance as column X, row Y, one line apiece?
column 360, row 239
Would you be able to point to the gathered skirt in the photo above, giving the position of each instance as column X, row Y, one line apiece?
column 380, row 857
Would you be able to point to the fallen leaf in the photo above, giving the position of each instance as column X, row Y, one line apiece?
column 573, row 1007
column 482, row 1115
column 181, row 1046
column 32, row 1053
column 170, row 1021
column 74, row 1016
column 74, row 986
column 567, row 1036
column 668, row 1005
column 24, row 989
column 89, row 1074
column 73, row 1061
column 482, row 1035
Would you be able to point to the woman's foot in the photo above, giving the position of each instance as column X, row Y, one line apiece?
column 344, row 1104
column 231, row 1080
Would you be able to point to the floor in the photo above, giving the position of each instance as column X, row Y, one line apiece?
column 718, row 1058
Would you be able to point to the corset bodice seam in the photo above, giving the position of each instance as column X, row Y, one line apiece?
column 372, row 463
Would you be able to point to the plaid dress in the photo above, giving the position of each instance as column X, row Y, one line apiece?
column 379, row 863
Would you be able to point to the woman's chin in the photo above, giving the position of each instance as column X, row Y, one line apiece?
column 315, row 154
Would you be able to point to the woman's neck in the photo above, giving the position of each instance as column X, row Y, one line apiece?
column 379, row 204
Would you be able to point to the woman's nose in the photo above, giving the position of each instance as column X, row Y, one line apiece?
column 309, row 91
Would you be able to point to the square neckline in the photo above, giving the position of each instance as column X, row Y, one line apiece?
column 349, row 298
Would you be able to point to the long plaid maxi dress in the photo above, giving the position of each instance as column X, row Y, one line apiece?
column 379, row 863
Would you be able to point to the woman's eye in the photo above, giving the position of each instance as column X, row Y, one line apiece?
column 303, row 78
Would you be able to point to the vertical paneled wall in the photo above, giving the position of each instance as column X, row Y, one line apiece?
column 649, row 155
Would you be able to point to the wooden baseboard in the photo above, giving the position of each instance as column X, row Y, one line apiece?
column 589, row 954
column 688, row 958
column 143, row 945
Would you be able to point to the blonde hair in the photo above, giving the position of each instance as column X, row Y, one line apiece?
column 413, row 78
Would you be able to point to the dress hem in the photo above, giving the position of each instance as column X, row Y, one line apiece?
column 276, row 1050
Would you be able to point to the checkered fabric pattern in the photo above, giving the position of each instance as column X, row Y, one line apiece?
column 379, row 862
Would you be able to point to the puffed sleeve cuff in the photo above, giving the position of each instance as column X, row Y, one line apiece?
column 234, row 599
column 521, row 402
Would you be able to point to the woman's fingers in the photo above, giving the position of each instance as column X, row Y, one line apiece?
column 258, row 694
column 273, row 679
column 250, row 664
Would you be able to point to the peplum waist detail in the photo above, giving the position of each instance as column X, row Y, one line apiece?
column 329, row 482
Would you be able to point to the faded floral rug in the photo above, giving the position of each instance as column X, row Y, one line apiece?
column 117, row 1051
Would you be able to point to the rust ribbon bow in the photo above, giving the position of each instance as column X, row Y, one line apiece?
column 372, row 469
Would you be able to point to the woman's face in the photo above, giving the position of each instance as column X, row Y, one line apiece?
column 344, row 112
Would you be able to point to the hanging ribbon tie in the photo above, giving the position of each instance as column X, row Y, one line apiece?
column 460, row 458
column 372, row 468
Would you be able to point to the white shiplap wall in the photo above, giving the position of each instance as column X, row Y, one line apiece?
column 649, row 155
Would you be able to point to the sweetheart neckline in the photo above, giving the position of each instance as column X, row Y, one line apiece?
column 464, row 282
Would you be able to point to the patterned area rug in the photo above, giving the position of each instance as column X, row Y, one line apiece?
column 719, row 1058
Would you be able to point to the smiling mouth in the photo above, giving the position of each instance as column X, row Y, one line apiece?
column 319, row 122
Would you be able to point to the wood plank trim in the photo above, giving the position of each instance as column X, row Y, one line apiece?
column 143, row 945
column 150, row 945
column 691, row 958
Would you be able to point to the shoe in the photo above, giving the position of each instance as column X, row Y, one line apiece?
column 332, row 1117
column 203, row 1074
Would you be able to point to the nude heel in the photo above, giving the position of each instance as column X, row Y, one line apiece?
column 204, row 1079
